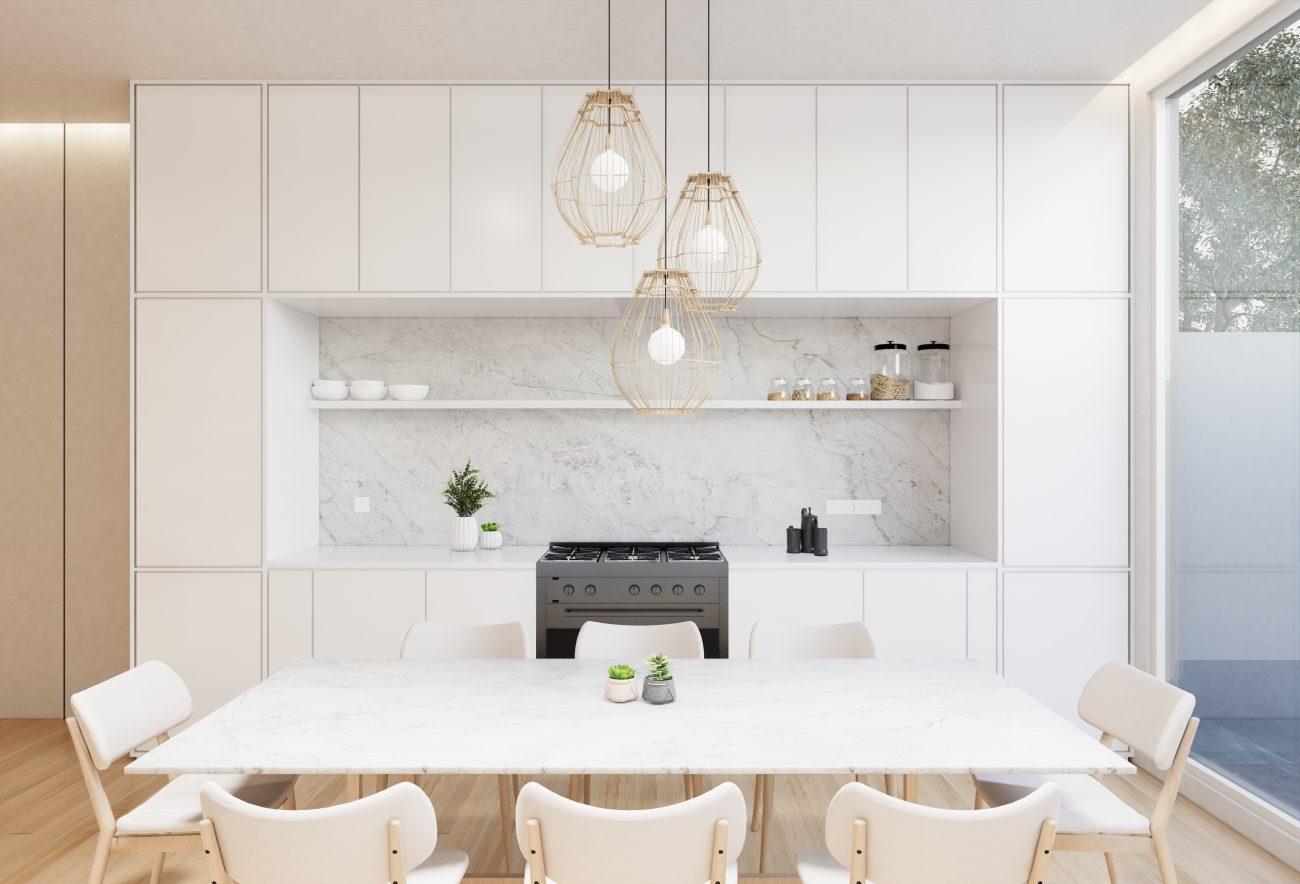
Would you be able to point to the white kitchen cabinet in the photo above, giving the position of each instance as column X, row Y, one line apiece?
column 288, row 618
column 1059, row 628
column 861, row 188
column 772, row 157
column 481, row 596
column 496, row 188
column 312, row 184
column 198, row 188
column 982, row 617
column 567, row 264
column 1065, row 432
column 812, row 596
column 198, row 432
column 952, row 188
column 208, row 627
column 1065, row 193
column 365, row 614
column 916, row 614
column 405, row 198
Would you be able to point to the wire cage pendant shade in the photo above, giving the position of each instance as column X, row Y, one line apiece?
column 711, row 236
column 666, row 356
column 608, row 180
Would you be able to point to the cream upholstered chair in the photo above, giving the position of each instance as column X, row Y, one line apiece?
column 877, row 838
column 571, row 843
column 776, row 640
column 116, row 716
column 389, row 836
column 1151, row 716
column 458, row 641
column 632, row 644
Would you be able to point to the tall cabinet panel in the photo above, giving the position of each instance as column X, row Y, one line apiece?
column 198, row 432
column 312, row 154
column 772, row 155
column 198, row 188
column 1066, row 189
column 861, row 188
column 405, row 188
column 952, row 188
column 496, row 188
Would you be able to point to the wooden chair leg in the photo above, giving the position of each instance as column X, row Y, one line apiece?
column 768, row 785
column 1110, row 868
column 381, row 782
column 911, row 788
column 506, row 795
column 697, row 785
column 758, row 802
column 586, row 788
column 516, row 783
column 99, row 865
column 575, row 787
column 686, row 786
column 1165, row 860
column 155, row 874
column 353, row 786
column 891, row 785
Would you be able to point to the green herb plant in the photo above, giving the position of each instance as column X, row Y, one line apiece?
column 659, row 669
column 466, row 492
column 621, row 672
column 490, row 526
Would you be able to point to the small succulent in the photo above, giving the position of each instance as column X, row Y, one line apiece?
column 659, row 668
column 621, row 672
column 490, row 526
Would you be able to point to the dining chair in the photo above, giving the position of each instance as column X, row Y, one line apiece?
column 632, row 644
column 459, row 641
column 699, row 839
column 388, row 836
column 116, row 716
column 877, row 838
column 778, row 640
column 1149, row 715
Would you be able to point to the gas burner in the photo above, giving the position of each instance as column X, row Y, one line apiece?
column 705, row 552
column 565, row 553
column 632, row 554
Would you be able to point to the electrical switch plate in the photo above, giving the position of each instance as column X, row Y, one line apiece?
column 866, row 508
column 361, row 504
column 839, row 507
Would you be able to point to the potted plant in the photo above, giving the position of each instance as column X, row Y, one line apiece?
column 490, row 538
column 621, row 687
column 465, row 493
column 658, row 688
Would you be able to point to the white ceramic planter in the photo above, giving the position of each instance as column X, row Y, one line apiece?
column 620, row 690
column 490, row 540
column 464, row 535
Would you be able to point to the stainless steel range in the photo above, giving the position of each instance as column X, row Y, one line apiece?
column 630, row 583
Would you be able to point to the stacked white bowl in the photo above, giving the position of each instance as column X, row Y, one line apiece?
column 408, row 392
column 369, row 391
column 332, row 391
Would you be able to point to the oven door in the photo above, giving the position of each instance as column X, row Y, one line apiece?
column 564, row 620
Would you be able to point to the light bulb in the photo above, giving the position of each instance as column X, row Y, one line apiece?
column 609, row 171
column 710, row 243
column 667, row 345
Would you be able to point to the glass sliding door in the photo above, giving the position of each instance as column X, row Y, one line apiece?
column 1235, row 419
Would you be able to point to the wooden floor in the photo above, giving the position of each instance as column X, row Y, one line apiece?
column 47, row 832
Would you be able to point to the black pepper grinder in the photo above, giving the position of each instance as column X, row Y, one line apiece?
column 807, row 530
column 793, row 540
column 823, row 547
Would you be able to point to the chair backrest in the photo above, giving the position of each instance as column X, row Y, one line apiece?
column 839, row 641
column 454, row 641
column 130, row 709
column 343, row 844
column 907, row 842
column 618, row 641
column 1148, row 714
column 594, row 845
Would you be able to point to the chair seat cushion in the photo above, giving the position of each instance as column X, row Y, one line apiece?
column 733, row 875
column 442, row 867
column 174, row 809
column 819, row 867
column 1087, row 807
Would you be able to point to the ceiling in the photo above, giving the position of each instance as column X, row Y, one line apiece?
column 71, row 60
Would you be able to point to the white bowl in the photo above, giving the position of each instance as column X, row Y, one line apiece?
column 324, row 382
column 331, row 394
column 369, row 393
column 366, row 383
column 408, row 392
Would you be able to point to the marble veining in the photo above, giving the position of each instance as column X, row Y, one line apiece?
column 541, row 717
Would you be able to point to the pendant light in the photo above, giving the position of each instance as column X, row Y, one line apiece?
column 666, row 358
column 608, row 180
column 710, row 234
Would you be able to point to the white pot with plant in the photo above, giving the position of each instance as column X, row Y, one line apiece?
column 490, row 536
column 621, row 685
column 465, row 493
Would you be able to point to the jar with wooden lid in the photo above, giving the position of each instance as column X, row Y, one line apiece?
column 828, row 390
column 858, row 390
column 779, row 391
column 891, row 376
column 803, row 390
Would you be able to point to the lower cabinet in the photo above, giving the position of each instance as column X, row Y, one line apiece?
column 288, row 618
column 482, row 596
column 206, row 626
column 790, row 597
column 916, row 614
column 365, row 614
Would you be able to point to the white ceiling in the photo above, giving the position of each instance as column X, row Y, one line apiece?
column 71, row 59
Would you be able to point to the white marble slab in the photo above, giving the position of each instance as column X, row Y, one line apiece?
column 549, row 716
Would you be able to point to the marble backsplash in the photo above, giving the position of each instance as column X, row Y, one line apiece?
column 738, row 477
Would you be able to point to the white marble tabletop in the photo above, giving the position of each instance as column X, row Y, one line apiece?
column 550, row 717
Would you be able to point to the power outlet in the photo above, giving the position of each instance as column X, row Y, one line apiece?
column 361, row 504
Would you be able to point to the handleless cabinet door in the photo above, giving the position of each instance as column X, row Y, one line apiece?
column 952, row 188
column 365, row 614
column 288, row 618
column 312, row 155
column 483, row 596
column 198, row 432
column 198, row 188
column 405, row 188
column 1065, row 215
column 772, row 157
column 916, row 614
column 496, row 188
column 813, row 596
column 861, row 188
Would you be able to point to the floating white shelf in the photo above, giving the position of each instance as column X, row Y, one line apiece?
column 573, row 404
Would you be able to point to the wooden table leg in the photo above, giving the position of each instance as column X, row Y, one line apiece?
column 506, row 796
column 354, row 786
column 575, row 787
column 768, row 782
column 758, row 802
column 697, row 785
column 910, row 788
column 586, row 788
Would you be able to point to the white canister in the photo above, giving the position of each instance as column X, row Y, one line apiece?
column 464, row 534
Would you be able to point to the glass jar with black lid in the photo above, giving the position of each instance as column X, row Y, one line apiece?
column 933, row 378
column 891, row 374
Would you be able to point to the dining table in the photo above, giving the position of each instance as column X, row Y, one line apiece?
column 542, row 717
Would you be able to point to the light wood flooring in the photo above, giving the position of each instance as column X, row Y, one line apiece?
column 47, row 832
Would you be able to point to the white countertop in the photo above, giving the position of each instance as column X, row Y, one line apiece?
column 539, row 717
column 524, row 558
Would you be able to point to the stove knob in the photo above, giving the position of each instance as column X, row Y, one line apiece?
column 699, row 589
column 568, row 589
column 634, row 590
column 590, row 590
column 678, row 589
column 656, row 589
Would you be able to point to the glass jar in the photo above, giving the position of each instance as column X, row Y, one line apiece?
column 933, row 372
column 779, row 391
column 891, row 376
column 828, row 390
column 803, row 390
column 858, row 391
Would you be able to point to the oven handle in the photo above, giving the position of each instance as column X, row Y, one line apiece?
column 630, row 609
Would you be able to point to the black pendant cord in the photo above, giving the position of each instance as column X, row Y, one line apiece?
column 609, row 66
column 663, row 248
column 708, row 101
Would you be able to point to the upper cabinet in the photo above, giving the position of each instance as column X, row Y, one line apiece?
column 198, row 188
column 1065, row 211
column 496, row 188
